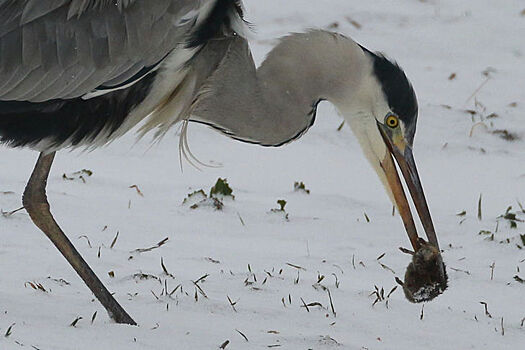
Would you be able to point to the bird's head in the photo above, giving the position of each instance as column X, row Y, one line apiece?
column 383, row 116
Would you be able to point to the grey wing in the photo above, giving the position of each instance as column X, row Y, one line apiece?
column 60, row 49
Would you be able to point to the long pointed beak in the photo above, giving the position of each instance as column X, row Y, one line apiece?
column 405, row 160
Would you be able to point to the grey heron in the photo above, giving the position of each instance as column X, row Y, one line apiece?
column 80, row 73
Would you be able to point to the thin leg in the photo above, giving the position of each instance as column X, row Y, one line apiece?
column 36, row 204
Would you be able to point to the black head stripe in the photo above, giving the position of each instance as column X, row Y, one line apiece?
column 398, row 91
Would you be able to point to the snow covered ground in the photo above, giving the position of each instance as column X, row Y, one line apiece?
column 252, row 256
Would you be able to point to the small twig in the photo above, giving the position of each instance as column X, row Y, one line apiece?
column 87, row 239
column 242, row 335
column 232, row 304
column 331, row 303
column 11, row 213
column 305, row 306
column 75, row 321
column 477, row 90
column 10, row 330
column 139, row 192
column 240, row 218
column 479, row 207
column 487, row 313
column 296, row 266
column 406, row 251
column 158, row 245
column 114, row 240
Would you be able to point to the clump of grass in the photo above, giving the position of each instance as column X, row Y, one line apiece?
column 221, row 189
column 511, row 217
column 282, row 204
column 78, row 175
column 380, row 296
column 300, row 187
column 506, row 135
column 218, row 192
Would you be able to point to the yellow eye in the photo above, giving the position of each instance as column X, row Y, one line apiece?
column 392, row 121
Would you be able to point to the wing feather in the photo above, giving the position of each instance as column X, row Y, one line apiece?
column 60, row 49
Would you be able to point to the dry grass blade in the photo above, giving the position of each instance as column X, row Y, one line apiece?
column 356, row 24
column 406, row 251
column 478, row 89
column 459, row 270
column 487, row 313
column 175, row 289
column 200, row 290
column 331, row 303
column 296, row 266
column 165, row 269
column 139, row 192
column 479, row 207
column 75, row 321
column 241, row 220
column 391, row 291
column 114, row 240
column 304, row 305
column 387, row 268
column 201, row 279
column 9, row 330
column 313, row 304
column 87, row 239
column 242, row 335
column 11, row 213
column 232, row 304
column 158, row 245
column 36, row 286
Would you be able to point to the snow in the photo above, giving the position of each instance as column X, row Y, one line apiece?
column 326, row 234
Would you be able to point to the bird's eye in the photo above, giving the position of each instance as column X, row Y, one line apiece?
column 392, row 121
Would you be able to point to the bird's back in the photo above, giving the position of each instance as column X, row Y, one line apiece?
column 72, row 69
